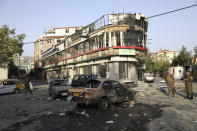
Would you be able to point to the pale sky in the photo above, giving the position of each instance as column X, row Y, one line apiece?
column 167, row 32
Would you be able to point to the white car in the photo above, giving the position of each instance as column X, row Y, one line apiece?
column 149, row 78
column 10, row 86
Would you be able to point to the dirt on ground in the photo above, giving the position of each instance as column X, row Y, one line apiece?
column 152, row 110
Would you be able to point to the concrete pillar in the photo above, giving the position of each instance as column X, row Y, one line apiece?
column 113, row 42
column 121, row 39
column 81, row 70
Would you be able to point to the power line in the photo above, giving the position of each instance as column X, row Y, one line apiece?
column 154, row 15
column 173, row 11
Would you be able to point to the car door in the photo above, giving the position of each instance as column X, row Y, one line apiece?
column 2, row 88
column 110, row 92
column 120, row 90
column 11, row 85
column 5, row 88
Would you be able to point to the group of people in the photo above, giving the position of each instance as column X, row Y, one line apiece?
column 188, row 85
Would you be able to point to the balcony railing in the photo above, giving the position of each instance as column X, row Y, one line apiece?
column 98, row 53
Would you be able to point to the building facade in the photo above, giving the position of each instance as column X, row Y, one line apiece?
column 164, row 56
column 49, row 39
column 110, row 47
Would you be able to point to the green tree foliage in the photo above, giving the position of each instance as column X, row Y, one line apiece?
column 183, row 57
column 155, row 67
column 160, row 67
column 10, row 43
column 149, row 63
column 195, row 50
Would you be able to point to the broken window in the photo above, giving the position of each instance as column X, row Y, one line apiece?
column 100, row 41
column 113, row 39
column 107, row 38
column 117, row 33
column 49, row 40
column 67, row 30
column 58, row 40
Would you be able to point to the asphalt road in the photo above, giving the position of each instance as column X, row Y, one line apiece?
column 37, row 112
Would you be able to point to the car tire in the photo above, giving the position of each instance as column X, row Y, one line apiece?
column 50, row 92
column 103, row 104
column 53, row 95
column 16, row 91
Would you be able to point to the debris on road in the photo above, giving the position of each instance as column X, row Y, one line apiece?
column 130, row 115
column 84, row 113
column 109, row 122
column 131, row 104
column 49, row 113
column 48, row 98
column 62, row 114
column 70, row 105
column 163, row 89
column 162, row 81
column 116, row 115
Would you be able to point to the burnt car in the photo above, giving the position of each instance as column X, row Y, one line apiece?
column 58, row 88
column 101, row 92
column 81, row 80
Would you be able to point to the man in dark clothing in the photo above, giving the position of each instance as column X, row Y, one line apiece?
column 27, row 86
column 188, row 85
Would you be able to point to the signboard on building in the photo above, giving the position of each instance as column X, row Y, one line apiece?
column 126, row 51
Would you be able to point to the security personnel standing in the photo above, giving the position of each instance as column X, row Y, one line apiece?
column 188, row 85
column 170, row 84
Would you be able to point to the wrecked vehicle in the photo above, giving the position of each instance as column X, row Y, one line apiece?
column 101, row 92
column 10, row 86
column 58, row 88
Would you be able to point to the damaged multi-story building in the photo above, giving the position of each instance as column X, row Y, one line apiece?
column 112, row 46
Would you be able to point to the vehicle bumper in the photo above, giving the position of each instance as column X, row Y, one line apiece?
column 87, row 101
column 61, row 94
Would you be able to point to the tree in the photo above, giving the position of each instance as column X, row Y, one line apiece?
column 149, row 63
column 183, row 57
column 195, row 50
column 160, row 67
column 10, row 43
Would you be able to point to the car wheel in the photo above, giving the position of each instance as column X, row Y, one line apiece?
column 103, row 104
column 50, row 92
column 16, row 91
column 53, row 95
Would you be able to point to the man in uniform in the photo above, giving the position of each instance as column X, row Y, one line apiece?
column 188, row 85
column 170, row 84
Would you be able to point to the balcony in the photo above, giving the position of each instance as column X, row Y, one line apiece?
column 98, row 54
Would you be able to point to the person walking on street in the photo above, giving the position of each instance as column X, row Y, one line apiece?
column 170, row 84
column 188, row 85
column 27, row 85
column 69, row 80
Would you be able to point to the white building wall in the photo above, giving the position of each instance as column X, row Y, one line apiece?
column 4, row 73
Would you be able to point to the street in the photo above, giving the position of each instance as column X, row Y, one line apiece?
column 152, row 111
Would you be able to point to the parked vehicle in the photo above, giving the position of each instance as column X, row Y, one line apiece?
column 149, row 78
column 58, row 88
column 101, row 92
column 81, row 80
column 10, row 86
